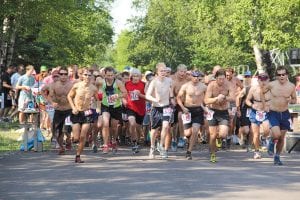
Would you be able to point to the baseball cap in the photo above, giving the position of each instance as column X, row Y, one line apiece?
column 196, row 74
column 147, row 73
column 43, row 68
column 247, row 73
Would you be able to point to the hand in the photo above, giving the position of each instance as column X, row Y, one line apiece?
column 55, row 105
column 27, row 88
column 74, row 111
column 185, row 110
column 98, row 110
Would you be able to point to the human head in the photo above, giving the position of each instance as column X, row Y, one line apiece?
column 135, row 75
column 109, row 73
column 263, row 78
column 161, row 69
column 149, row 75
column 196, row 76
column 86, row 75
column 29, row 69
column 282, row 74
column 63, row 74
column 229, row 73
column 125, row 76
column 181, row 70
column 220, row 77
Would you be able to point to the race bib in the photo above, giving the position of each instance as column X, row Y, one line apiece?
column 260, row 116
column 68, row 121
column 110, row 100
column 210, row 114
column 167, row 112
column 248, row 112
column 186, row 118
column 49, row 108
column 88, row 112
column 134, row 96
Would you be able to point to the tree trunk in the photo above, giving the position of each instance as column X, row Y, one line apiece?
column 12, row 43
column 3, row 50
column 258, row 59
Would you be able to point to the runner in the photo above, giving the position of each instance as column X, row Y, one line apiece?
column 62, row 109
column 259, row 102
column 190, row 98
column 80, row 98
column 113, row 91
column 217, row 97
column 161, row 94
column 243, row 111
column 282, row 93
column 135, row 106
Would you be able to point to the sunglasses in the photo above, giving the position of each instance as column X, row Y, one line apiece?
column 87, row 75
column 63, row 74
column 281, row 74
column 263, row 78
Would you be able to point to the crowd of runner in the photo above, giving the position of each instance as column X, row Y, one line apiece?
column 101, row 108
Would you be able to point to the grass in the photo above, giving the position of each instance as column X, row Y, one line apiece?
column 9, row 136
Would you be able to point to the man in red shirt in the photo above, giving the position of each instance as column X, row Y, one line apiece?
column 135, row 105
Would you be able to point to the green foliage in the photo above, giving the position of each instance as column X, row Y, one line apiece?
column 205, row 33
column 59, row 32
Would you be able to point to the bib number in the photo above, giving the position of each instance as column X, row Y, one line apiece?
column 233, row 111
column 134, row 96
column 49, row 108
column 124, row 116
column 167, row 112
column 186, row 118
column 68, row 121
column 88, row 112
column 210, row 114
column 111, row 100
column 260, row 116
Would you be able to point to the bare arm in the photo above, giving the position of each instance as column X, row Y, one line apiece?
column 249, row 97
column 293, row 96
column 179, row 97
column 122, row 89
column 150, row 91
column 208, row 99
column 239, row 97
column 71, row 96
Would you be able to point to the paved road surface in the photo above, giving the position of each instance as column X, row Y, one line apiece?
column 236, row 176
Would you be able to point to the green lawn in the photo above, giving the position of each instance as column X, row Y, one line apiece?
column 9, row 136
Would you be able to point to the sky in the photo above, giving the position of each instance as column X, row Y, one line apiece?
column 121, row 11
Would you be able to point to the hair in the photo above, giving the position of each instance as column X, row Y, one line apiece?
column 220, row 72
column 158, row 65
column 229, row 69
column 135, row 71
column 63, row 68
column 125, row 73
column 29, row 67
column 181, row 66
column 279, row 68
column 109, row 69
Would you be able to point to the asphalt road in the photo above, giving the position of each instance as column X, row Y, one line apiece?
column 45, row 175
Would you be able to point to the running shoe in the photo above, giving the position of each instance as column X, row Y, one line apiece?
column 257, row 155
column 218, row 143
column 277, row 160
column 188, row 155
column 164, row 154
column 151, row 153
column 174, row 146
column 181, row 143
column 213, row 158
column 95, row 148
column 114, row 148
column 135, row 148
column 105, row 149
column 270, row 146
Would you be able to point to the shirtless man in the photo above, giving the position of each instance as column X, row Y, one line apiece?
column 217, row 97
column 161, row 94
column 259, row 101
column 178, row 80
column 235, row 85
column 80, row 98
column 62, row 109
column 190, row 98
column 282, row 93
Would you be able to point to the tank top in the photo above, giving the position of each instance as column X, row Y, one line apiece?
column 108, row 91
